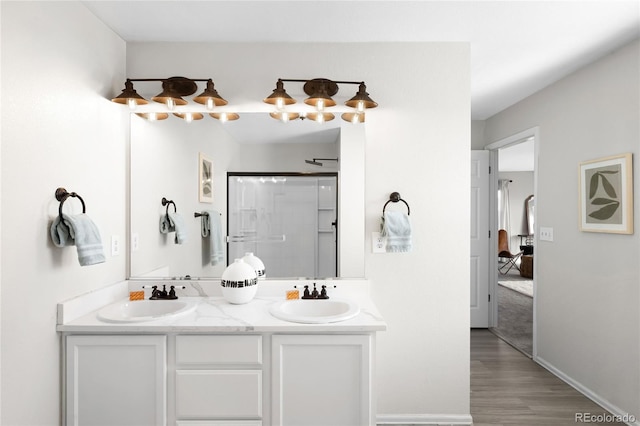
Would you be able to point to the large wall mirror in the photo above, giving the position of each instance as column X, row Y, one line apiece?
column 166, row 159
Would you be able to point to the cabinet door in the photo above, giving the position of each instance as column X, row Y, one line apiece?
column 321, row 380
column 115, row 380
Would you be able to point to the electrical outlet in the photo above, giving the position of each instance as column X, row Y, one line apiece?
column 115, row 245
column 546, row 234
column 378, row 243
column 135, row 241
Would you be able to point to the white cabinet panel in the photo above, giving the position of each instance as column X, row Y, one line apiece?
column 115, row 380
column 218, row 394
column 321, row 380
column 194, row 350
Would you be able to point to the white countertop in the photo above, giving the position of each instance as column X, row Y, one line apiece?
column 213, row 314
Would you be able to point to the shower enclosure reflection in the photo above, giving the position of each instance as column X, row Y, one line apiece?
column 287, row 220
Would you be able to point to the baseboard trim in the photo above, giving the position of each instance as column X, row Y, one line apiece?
column 424, row 419
column 616, row 411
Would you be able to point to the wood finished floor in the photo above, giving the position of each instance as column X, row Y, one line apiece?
column 508, row 388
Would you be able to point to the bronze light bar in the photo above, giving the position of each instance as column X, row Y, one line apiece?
column 173, row 90
column 320, row 91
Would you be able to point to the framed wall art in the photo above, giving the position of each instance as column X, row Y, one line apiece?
column 606, row 194
column 205, row 179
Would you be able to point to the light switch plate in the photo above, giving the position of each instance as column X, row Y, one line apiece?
column 378, row 243
column 135, row 241
column 115, row 245
column 546, row 234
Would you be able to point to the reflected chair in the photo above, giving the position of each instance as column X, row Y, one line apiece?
column 504, row 253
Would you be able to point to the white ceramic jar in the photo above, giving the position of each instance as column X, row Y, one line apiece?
column 239, row 282
column 257, row 264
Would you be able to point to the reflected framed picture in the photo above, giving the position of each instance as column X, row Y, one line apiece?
column 205, row 179
column 606, row 194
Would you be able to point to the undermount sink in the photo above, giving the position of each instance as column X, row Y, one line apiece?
column 144, row 310
column 315, row 311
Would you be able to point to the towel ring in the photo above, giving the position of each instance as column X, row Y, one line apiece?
column 167, row 203
column 394, row 198
column 196, row 214
column 62, row 195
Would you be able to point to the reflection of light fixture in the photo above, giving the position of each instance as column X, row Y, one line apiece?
column 189, row 116
column 320, row 117
column 224, row 116
column 285, row 116
column 153, row 116
column 353, row 117
column 173, row 90
column 320, row 91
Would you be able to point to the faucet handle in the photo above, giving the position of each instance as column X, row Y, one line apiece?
column 323, row 293
column 172, row 291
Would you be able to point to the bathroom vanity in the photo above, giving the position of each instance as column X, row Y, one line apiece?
column 220, row 364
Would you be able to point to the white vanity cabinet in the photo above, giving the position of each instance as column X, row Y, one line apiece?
column 322, row 380
column 115, row 380
column 218, row 378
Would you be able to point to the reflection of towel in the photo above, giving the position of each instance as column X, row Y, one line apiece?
column 397, row 229
column 166, row 225
column 215, row 237
column 205, row 227
column 79, row 230
column 173, row 222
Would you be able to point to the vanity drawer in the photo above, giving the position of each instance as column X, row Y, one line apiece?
column 219, row 423
column 220, row 350
column 219, row 394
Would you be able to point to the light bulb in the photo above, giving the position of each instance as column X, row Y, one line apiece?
column 210, row 104
column 284, row 117
column 152, row 116
column 355, row 118
column 320, row 105
column 223, row 117
column 360, row 106
column 188, row 117
column 132, row 103
column 279, row 103
column 320, row 118
column 171, row 104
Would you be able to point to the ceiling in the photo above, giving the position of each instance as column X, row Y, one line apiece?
column 517, row 47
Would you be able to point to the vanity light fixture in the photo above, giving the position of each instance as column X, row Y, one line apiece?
column 173, row 90
column 320, row 91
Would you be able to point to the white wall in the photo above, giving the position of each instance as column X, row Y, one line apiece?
column 417, row 138
column 588, row 310
column 60, row 66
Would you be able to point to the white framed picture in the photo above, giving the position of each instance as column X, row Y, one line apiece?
column 205, row 179
column 606, row 194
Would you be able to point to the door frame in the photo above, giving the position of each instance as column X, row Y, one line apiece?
column 533, row 132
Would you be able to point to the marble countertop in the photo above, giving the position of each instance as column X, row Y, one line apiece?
column 213, row 314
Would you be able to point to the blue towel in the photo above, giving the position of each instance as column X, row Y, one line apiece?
column 173, row 222
column 397, row 229
column 79, row 230
column 215, row 237
column 205, row 227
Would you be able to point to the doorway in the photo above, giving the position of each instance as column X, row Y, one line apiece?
column 288, row 220
column 512, row 277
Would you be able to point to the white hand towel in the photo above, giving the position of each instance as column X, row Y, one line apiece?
column 215, row 237
column 79, row 230
column 397, row 228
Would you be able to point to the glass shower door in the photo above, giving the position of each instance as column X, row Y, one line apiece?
column 288, row 221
